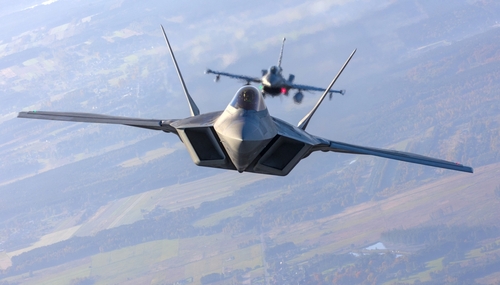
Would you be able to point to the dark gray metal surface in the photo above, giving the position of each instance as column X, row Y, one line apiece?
column 244, row 137
column 153, row 124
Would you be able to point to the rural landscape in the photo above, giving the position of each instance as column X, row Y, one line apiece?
column 102, row 204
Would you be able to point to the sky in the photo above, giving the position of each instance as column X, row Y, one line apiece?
column 240, row 37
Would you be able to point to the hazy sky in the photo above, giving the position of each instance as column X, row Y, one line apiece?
column 244, row 37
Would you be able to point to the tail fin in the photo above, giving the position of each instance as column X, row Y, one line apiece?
column 281, row 52
column 303, row 123
column 192, row 106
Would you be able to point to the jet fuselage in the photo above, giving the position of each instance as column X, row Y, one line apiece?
column 244, row 137
column 273, row 82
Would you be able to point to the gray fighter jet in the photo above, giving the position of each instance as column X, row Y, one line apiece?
column 273, row 83
column 244, row 137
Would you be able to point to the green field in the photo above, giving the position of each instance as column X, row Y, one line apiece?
column 108, row 268
column 360, row 225
column 438, row 99
column 132, row 261
column 131, row 209
column 161, row 260
column 191, row 194
column 243, row 210
column 49, row 239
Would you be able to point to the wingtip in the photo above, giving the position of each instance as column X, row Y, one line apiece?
column 464, row 168
column 23, row 114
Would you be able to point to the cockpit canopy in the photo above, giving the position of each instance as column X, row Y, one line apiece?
column 248, row 98
column 273, row 69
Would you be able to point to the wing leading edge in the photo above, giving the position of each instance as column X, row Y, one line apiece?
column 312, row 88
column 235, row 76
column 152, row 124
column 393, row 154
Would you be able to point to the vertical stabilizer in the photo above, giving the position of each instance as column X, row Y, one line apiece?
column 281, row 52
column 192, row 106
column 303, row 123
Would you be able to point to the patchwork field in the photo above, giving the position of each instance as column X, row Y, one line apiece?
column 192, row 194
column 452, row 200
column 131, row 209
column 110, row 267
column 48, row 239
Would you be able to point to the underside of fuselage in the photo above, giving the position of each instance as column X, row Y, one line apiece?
column 278, row 157
column 244, row 137
column 274, row 91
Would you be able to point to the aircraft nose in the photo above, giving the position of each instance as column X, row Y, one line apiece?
column 267, row 80
column 243, row 142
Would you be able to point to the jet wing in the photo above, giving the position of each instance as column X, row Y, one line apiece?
column 312, row 88
column 392, row 154
column 161, row 125
column 235, row 76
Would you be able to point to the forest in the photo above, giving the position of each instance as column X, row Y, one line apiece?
column 450, row 243
column 435, row 116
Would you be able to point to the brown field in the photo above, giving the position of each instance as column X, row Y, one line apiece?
column 191, row 194
column 48, row 240
column 459, row 199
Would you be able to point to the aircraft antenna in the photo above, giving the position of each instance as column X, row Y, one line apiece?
column 303, row 123
column 192, row 106
column 281, row 52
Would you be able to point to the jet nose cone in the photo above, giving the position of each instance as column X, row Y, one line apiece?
column 267, row 80
column 243, row 153
column 243, row 142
